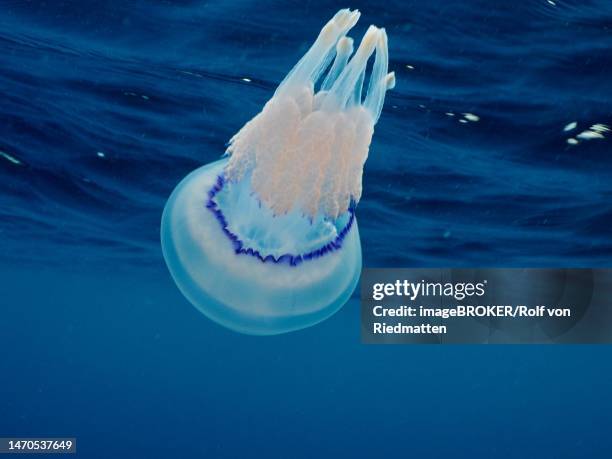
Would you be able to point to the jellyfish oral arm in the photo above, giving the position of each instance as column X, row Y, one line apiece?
column 307, row 148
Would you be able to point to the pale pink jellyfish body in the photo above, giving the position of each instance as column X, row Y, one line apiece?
column 265, row 240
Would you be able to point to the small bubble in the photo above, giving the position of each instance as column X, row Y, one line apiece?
column 100, row 154
column 568, row 127
column 10, row 158
column 246, row 80
column 600, row 127
column 588, row 135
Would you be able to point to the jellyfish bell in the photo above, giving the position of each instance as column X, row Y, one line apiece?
column 256, row 279
column 265, row 240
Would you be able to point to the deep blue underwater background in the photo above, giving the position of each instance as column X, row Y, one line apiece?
column 105, row 105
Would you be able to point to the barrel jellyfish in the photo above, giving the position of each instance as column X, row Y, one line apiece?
column 265, row 240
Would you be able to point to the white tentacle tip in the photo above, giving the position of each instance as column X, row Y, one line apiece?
column 390, row 80
column 371, row 37
column 339, row 25
column 346, row 18
column 344, row 46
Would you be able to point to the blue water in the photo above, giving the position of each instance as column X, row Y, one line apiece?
column 106, row 105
